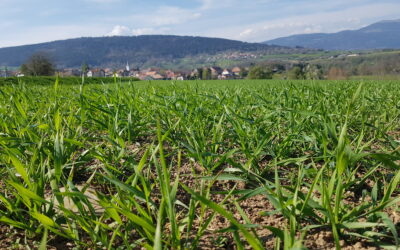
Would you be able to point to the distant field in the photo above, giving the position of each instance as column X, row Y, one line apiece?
column 200, row 165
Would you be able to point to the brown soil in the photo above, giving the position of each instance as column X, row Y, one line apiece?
column 254, row 208
column 213, row 238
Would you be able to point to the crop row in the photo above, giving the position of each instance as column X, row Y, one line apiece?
column 201, row 164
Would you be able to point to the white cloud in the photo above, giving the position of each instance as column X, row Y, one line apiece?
column 312, row 29
column 253, row 21
column 120, row 30
column 328, row 21
column 246, row 32
column 160, row 21
column 149, row 31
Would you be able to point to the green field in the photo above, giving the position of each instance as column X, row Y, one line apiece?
column 49, row 80
column 200, row 165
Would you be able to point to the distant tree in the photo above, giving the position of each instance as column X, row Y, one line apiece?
column 196, row 74
column 244, row 73
column 39, row 64
column 199, row 74
column 336, row 74
column 279, row 67
column 259, row 72
column 296, row 73
column 313, row 72
column 206, row 75
column 84, row 68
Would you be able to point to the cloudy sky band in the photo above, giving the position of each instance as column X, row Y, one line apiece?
column 26, row 22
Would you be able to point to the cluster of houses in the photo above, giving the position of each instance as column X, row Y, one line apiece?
column 158, row 74
column 205, row 73
column 214, row 73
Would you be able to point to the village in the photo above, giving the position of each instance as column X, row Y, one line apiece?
column 160, row 74
column 206, row 73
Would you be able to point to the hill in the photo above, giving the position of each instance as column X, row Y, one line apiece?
column 149, row 50
column 381, row 35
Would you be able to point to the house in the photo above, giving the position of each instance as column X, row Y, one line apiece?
column 215, row 72
column 147, row 78
column 150, row 75
column 108, row 72
column 120, row 73
column 195, row 74
column 155, row 75
column 98, row 73
column 236, row 71
column 226, row 74
column 89, row 74
column 135, row 72
column 180, row 76
column 149, row 70
column 70, row 72
column 124, row 73
column 185, row 74
column 170, row 75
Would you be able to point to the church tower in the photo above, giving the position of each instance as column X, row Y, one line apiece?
column 127, row 67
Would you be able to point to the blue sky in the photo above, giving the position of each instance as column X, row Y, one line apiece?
column 33, row 21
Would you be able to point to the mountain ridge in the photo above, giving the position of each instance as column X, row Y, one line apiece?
column 380, row 35
column 138, row 50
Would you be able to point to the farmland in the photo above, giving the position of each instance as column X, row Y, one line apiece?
column 200, row 164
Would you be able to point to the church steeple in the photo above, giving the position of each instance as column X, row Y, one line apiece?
column 127, row 67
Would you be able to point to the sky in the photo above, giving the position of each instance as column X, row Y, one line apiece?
column 34, row 21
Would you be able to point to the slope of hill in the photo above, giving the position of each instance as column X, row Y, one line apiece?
column 148, row 50
column 381, row 35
